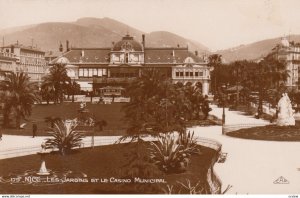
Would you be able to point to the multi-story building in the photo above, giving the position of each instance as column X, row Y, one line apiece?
column 29, row 60
column 289, row 52
column 7, row 63
column 97, row 68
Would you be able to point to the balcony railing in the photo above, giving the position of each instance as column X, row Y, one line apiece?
column 114, row 80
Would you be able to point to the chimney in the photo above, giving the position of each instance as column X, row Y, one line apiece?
column 196, row 53
column 12, row 49
column 143, row 40
column 67, row 45
column 61, row 47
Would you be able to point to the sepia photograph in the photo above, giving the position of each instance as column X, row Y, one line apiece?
column 149, row 97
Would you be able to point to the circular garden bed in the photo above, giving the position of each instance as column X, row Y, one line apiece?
column 269, row 132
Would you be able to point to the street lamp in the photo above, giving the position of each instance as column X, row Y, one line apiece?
column 223, row 104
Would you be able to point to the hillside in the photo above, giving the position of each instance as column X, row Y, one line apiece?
column 90, row 32
column 254, row 50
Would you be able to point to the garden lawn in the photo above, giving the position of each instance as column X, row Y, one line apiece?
column 111, row 113
column 100, row 162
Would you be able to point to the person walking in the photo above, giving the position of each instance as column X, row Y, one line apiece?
column 34, row 129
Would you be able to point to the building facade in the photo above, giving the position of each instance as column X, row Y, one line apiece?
column 8, row 63
column 30, row 60
column 115, row 66
column 289, row 52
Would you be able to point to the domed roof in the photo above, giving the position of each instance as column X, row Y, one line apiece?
column 189, row 60
column 62, row 60
column 127, row 43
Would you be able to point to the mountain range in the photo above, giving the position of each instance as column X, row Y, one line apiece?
column 101, row 32
column 91, row 32
column 254, row 50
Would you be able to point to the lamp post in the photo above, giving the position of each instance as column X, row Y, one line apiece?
column 223, row 113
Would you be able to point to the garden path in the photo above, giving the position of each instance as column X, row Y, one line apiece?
column 252, row 166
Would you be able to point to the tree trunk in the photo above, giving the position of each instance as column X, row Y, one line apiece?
column 5, row 119
column 18, row 121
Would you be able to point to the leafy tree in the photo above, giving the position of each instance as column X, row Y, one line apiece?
column 73, row 88
column 194, row 101
column 47, row 93
column 19, row 94
column 266, row 77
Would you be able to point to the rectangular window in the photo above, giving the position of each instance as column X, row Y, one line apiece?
column 104, row 72
column 181, row 73
column 191, row 74
column 95, row 73
column 200, row 73
column 90, row 72
column 187, row 73
column 85, row 72
column 177, row 74
column 99, row 72
column 196, row 74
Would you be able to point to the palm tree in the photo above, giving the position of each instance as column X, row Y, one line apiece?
column 19, row 95
column 57, row 80
column 215, row 60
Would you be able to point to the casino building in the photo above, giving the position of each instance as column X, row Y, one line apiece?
column 107, row 70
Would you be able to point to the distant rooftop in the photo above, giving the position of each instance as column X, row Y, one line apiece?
column 31, row 48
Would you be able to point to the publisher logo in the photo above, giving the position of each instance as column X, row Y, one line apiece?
column 281, row 180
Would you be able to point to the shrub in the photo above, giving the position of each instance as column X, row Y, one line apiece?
column 188, row 142
column 64, row 136
column 168, row 155
column 52, row 120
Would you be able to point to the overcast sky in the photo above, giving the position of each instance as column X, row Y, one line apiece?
column 218, row 24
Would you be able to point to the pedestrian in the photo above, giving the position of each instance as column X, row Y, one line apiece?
column 34, row 129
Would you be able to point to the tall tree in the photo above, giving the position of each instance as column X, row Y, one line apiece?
column 266, row 77
column 215, row 60
column 57, row 80
column 19, row 94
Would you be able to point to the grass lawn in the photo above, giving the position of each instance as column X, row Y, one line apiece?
column 270, row 132
column 100, row 162
column 110, row 112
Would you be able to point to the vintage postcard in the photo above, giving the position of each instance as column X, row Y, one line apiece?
column 149, row 97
